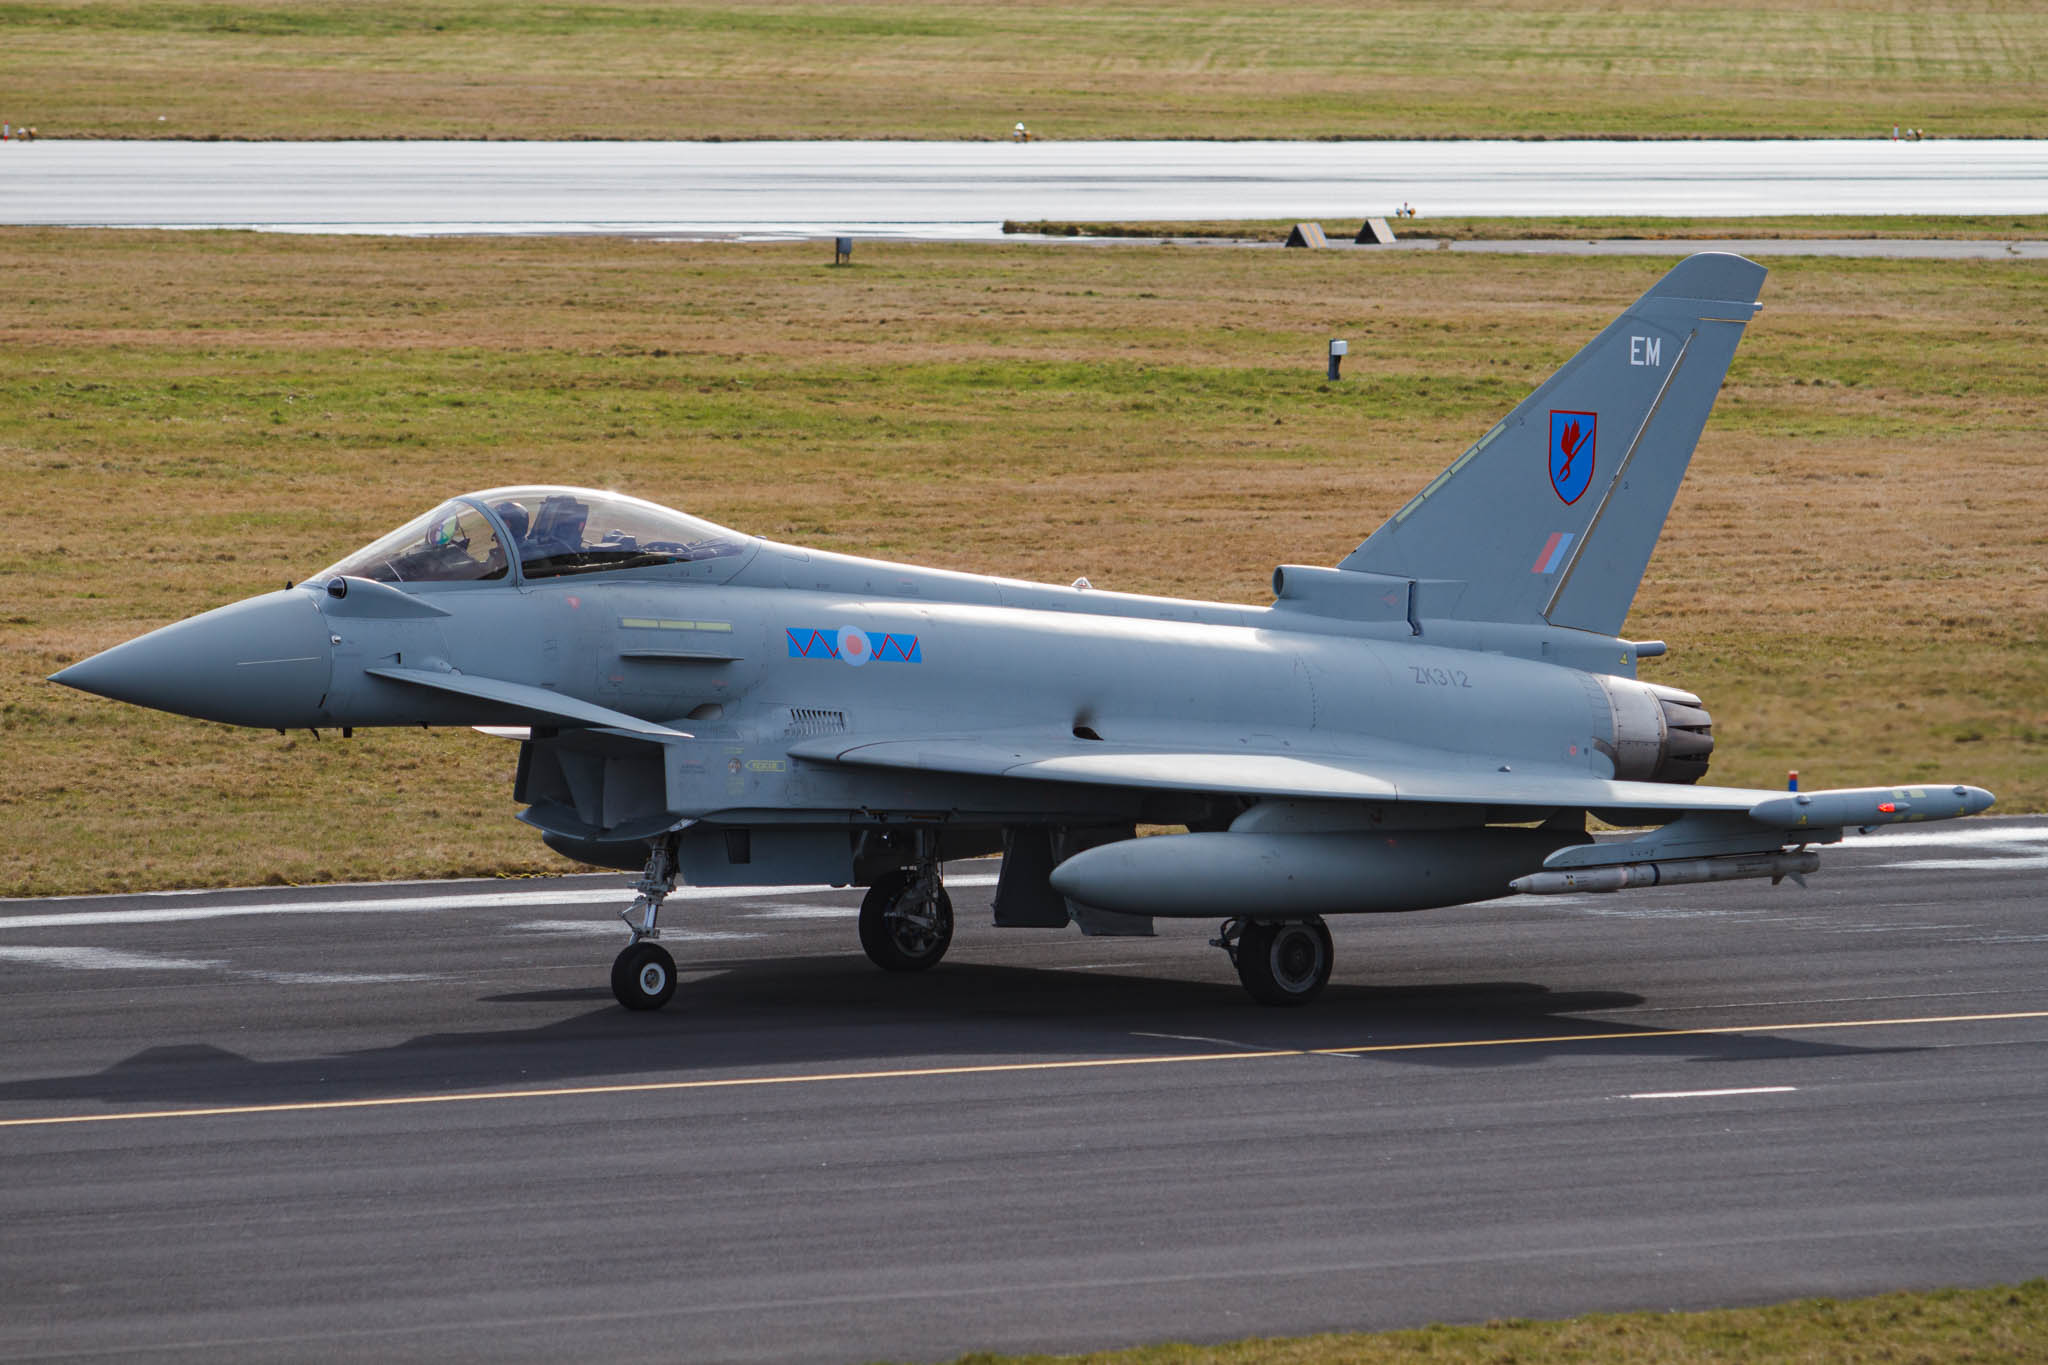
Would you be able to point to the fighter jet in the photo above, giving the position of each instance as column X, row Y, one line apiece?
column 1430, row 722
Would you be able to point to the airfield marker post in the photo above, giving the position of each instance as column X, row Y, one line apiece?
column 1338, row 350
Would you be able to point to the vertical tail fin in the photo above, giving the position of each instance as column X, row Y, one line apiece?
column 1552, row 515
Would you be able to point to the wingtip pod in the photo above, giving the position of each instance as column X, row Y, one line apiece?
column 1870, row 806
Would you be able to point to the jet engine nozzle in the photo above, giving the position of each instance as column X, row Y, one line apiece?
column 1660, row 734
column 263, row 662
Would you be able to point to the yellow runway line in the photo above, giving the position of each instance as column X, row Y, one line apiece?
column 995, row 1068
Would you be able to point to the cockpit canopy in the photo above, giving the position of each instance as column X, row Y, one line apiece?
column 551, row 531
column 579, row 530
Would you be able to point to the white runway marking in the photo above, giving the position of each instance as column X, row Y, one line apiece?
column 1811, row 1001
column 390, row 905
column 116, row 960
column 1964, row 832
column 1622, row 910
column 616, row 928
column 1995, row 847
column 1712, row 1094
column 1995, row 861
column 618, row 896
column 337, row 978
column 109, row 960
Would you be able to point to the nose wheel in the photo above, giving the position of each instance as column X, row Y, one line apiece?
column 1280, row 962
column 644, row 976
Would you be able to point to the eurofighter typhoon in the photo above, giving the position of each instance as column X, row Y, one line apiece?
column 1429, row 723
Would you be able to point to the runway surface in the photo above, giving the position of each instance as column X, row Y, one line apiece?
column 1856, row 247
column 967, row 189
column 408, row 1122
column 1905, row 248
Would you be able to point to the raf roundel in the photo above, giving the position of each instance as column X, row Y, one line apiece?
column 854, row 648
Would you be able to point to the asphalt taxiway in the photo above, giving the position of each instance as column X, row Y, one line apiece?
column 408, row 1121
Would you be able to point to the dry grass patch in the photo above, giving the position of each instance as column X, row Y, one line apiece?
column 939, row 69
column 1854, row 577
column 2006, row 1325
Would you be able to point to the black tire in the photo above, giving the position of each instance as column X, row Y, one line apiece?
column 644, row 976
column 894, row 938
column 1285, row 962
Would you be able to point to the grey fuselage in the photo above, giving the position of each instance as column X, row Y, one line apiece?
column 742, row 654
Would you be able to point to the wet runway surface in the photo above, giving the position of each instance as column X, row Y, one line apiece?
column 966, row 189
column 409, row 1122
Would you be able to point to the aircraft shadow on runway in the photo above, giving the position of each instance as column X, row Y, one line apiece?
column 807, row 1014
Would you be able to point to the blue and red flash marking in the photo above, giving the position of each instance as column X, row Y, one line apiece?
column 1552, row 553
column 855, row 647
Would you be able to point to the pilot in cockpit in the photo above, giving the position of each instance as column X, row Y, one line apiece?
column 515, row 519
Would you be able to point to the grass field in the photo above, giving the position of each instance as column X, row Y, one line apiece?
column 1996, row 1326
column 1070, row 68
column 1855, row 577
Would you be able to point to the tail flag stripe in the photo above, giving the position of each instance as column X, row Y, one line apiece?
column 1552, row 554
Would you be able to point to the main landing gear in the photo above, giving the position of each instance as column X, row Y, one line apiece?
column 1281, row 962
column 906, row 924
column 906, row 919
column 644, row 975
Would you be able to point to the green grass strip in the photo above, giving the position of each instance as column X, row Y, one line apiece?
column 2004, row 1324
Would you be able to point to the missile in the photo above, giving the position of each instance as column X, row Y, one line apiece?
column 1677, row 872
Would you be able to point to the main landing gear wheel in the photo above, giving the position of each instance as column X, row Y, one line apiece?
column 1285, row 962
column 906, row 921
column 644, row 976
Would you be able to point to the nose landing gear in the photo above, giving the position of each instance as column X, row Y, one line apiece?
column 1280, row 962
column 644, row 975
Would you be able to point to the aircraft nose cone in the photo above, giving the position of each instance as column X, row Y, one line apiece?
column 262, row 662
